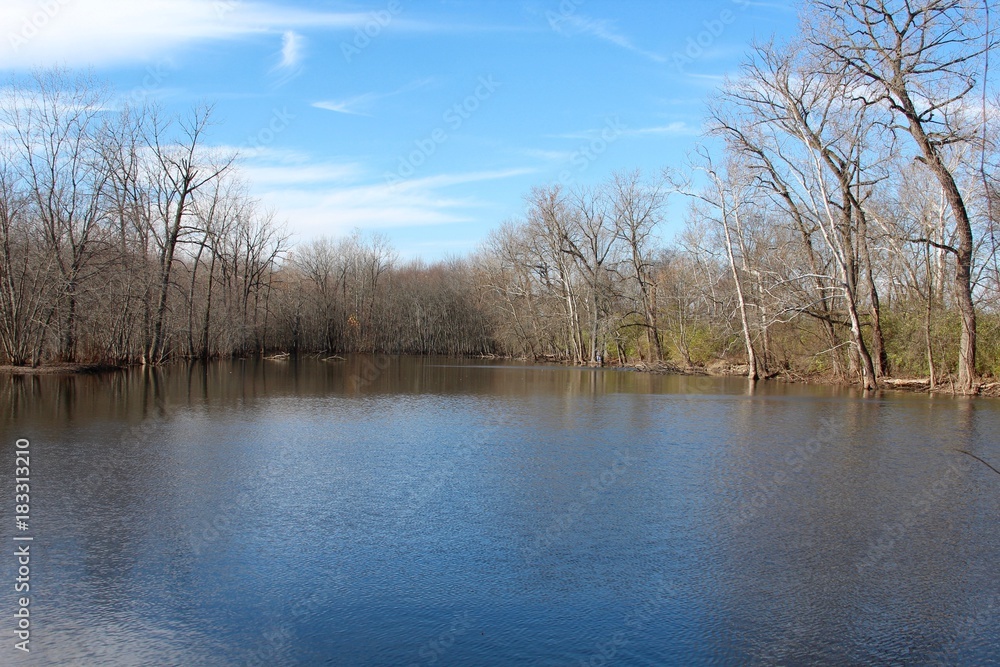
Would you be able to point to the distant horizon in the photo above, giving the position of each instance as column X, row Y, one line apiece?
column 429, row 125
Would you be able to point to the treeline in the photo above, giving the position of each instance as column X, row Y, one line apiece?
column 846, row 225
column 843, row 222
column 124, row 237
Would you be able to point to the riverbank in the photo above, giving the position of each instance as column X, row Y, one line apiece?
column 60, row 368
column 721, row 369
column 716, row 369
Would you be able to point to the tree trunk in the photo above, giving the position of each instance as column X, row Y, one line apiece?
column 68, row 352
column 965, row 249
column 881, row 358
column 206, row 322
column 155, row 352
column 744, row 320
column 194, row 281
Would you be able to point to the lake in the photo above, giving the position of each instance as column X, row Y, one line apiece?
column 429, row 511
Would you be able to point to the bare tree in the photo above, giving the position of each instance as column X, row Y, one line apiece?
column 783, row 99
column 26, row 302
column 56, row 118
column 508, row 281
column 638, row 210
column 179, row 168
column 725, row 202
column 549, row 229
column 317, row 261
column 918, row 58
column 223, row 206
column 590, row 240
column 129, row 209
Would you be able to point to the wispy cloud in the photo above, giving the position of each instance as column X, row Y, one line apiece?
column 360, row 105
column 107, row 32
column 447, row 180
column 578, row 24
column 291, row 50
column 290, row 61
column 350, row 106
column 780, row 6
column 674, row 129
column 333, row 198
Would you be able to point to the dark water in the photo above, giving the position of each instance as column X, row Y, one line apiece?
column 430, row 512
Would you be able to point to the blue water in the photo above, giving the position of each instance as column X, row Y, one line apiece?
column 431, row 512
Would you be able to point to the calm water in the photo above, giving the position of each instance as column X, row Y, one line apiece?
column 434, row 512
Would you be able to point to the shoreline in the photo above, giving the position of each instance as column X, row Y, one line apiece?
column 60, row 368
column 716, row 369
column 721, row 369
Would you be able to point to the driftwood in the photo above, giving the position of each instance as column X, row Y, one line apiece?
column 904, row 383
column 990, row 389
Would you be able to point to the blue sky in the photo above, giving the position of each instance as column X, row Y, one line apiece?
column 428, row 121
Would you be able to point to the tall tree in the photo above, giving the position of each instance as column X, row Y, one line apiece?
column 26, row 273
column 638, row 210
column 919, row 59
column 725, row 202
column 57, row 120
column 179, row 168
column 801, row 128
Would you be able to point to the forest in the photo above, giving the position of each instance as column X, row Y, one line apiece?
column 840, row 220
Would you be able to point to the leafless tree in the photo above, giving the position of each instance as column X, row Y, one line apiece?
column 725, row 201
column 57, row 121
column 918, row 59
column 26, row 299
column 180, row 166
column 638, row 211
column 817, row 177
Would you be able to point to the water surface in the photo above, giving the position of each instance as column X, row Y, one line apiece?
column 383, row 511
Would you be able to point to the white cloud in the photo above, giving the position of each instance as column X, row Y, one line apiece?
column 290, row 63
column 780, row 6
column 105, row 32
column 332, row 198
column 291, row 50
column 348, row 106
column 674, row 129
column 712, row 81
